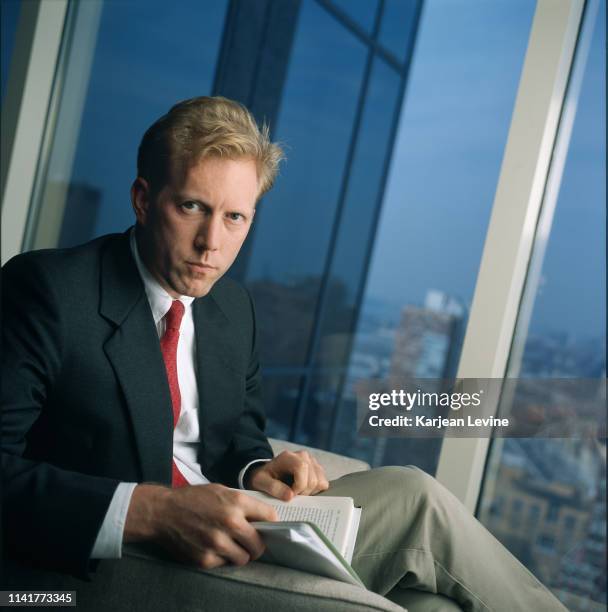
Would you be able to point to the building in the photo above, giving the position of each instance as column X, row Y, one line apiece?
column 428, row 339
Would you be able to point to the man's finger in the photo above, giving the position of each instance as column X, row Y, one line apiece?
column 300, row 474
column 248, row 537
column 266, row 483
column 224, row 546
column 322, row 482
column 208, row 560
column 255, row 509
column 313, row 481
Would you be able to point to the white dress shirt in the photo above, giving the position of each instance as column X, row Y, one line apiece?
column 186, row 435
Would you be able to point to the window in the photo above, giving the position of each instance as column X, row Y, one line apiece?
column 546, row 544
column 124, row 68
column 561, row 334
column 516, row 508
column 9, row 16
column 533, row 515
column 394, row 125
column 552, row 513
column 570, row 523
column 364, row 259
column 362, row 12
column 498, row 506
column 440, row 188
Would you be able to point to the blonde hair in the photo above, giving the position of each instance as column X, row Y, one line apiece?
column 205, row 127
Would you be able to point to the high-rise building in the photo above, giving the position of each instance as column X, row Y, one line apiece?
column 427, row 339
column 583, row 570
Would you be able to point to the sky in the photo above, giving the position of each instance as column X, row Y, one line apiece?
column 446, row 164
column 452, row 132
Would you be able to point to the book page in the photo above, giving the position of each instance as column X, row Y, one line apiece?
column 352, row 538
column 333, row 515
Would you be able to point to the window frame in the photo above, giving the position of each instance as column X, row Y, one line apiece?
column 512, row 229
column 26, row 113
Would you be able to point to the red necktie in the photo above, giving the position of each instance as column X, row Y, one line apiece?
column 168, row 347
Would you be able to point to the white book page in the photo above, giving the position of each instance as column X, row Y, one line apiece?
column 332, row 515
column 350, row 545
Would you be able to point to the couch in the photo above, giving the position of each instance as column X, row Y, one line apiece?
column 140, row 582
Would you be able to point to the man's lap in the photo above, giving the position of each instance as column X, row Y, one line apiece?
column 408, row 523
column 144, row 582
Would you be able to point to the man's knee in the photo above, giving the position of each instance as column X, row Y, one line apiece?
column 411, row 482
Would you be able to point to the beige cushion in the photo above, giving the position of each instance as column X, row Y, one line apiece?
column 143, row 582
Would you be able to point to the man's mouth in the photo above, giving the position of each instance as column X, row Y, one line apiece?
column 200, row 267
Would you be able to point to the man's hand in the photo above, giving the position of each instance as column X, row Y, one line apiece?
column 287, row 475
column 208, row 525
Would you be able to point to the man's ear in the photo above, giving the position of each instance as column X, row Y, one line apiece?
column 140, row 199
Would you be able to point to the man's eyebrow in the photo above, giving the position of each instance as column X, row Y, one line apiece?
column 184, row 197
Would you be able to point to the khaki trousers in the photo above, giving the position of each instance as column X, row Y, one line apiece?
column 414, row 534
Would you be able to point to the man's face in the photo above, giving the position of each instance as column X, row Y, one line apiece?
column 192, row 231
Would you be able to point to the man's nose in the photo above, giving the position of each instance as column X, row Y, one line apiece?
column 209, row 234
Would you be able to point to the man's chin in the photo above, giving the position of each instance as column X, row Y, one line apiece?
column 198, row 290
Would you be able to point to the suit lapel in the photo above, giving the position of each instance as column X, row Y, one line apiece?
column 134, row 352
column 220, row 379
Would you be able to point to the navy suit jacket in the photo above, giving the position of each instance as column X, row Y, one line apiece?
column 86, row 401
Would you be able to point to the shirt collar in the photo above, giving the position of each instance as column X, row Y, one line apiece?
column 160, row 301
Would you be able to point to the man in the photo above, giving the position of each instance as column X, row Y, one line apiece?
column 131, row 393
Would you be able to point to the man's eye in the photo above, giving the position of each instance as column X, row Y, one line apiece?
column 234, row 216
column 190, row 207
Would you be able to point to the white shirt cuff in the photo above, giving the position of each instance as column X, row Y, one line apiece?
column 242, row 472
column 108, row 544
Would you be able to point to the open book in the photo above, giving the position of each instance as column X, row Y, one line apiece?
column 314, row 534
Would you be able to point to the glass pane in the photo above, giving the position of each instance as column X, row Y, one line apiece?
column 141, row 64
column 294, row 222
column 363, row 12
column 398, row 18
column 281, row 396
column 140, row 46
column 360, row 209
column 448, row 151
column 366, row 178
column 545, row 498
column 9, row 16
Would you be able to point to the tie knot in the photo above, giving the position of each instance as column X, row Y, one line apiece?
column 173, row 318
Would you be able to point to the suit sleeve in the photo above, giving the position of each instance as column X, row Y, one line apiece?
column 248, row 441
column 51, row 516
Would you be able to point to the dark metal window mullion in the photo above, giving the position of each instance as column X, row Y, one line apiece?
column 261, row 50
column 225, row 43
column 372, row 41
column 323, row 291
column 379, row 202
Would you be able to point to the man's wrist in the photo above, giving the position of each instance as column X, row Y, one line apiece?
column 144, row 517
column 244, row 474
column 249, row 474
